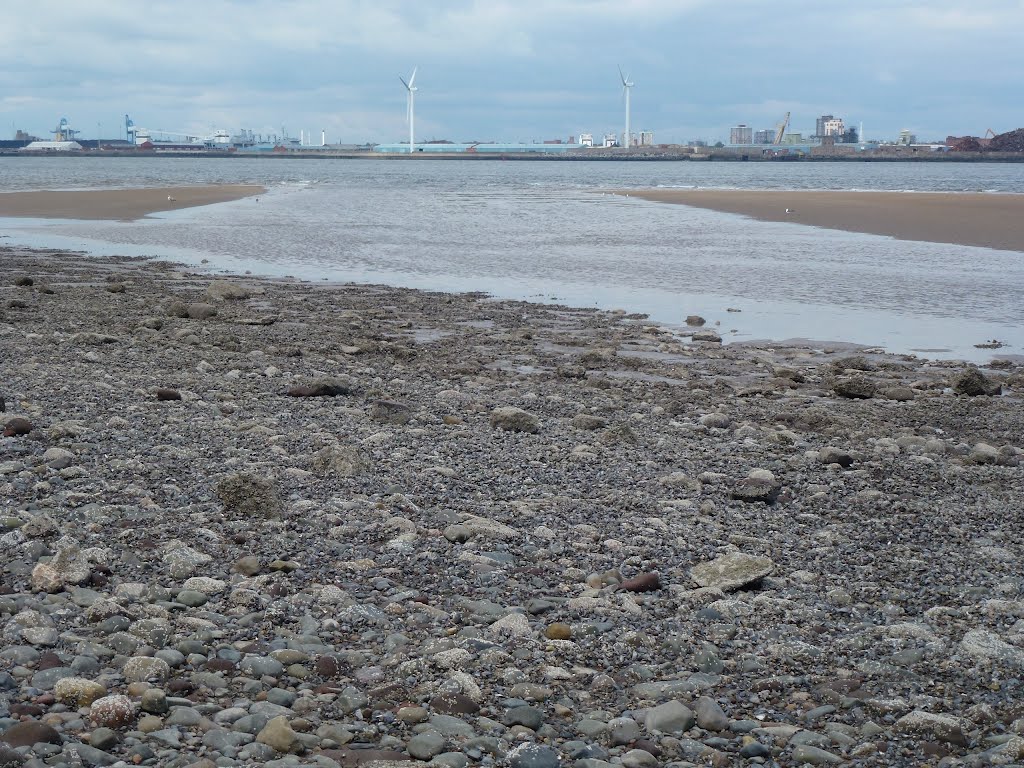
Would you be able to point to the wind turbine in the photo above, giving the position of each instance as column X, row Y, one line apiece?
column 626, row 85
column 411, row 115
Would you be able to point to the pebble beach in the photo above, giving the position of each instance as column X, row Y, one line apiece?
column 271, row 522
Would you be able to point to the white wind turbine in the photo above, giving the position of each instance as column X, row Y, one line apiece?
column 411, row 115
column 626, row 86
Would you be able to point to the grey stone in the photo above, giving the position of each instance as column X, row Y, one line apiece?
column 258, row 666
column 732, row 571
column 532, row 756
column 424, row 746
column 530, row 717
column 710, row 715
column 940, row 727
column 855, row 388
column 804, row 753
column 972, row 383
column 514, row 420
column 623, row 730
column 250, row 496
column 103, row 738
column 670, row 717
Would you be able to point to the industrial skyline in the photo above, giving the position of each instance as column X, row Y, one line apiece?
column 507, row 70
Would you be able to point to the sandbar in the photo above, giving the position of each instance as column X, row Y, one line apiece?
column 979, row 219
column 118, row 204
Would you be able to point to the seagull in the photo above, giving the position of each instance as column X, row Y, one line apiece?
column 788, row 210
column 171, row 200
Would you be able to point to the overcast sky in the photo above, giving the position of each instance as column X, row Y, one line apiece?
column 514, row 70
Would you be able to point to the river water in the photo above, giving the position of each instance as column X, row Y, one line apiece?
column 544, row 231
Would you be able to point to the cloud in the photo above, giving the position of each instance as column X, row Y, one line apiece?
column 527, row 67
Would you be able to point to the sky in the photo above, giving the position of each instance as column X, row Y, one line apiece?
column 511, row 70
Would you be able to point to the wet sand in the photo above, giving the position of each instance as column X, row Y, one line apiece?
column 986, row 220
column 118, row 204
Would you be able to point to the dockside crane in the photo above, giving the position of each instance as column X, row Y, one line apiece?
column 781, row 130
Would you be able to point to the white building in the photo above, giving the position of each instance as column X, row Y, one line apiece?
column 586, row 139
column 646, row 138
column 835, row 127
column 611, row 140
column 52, row 146
column 741, row 134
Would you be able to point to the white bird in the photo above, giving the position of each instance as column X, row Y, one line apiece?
column 170, row 199
column 788, row 210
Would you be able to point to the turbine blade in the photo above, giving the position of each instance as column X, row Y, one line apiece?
column 622, row 76
column 412, row 77
column 403, row 82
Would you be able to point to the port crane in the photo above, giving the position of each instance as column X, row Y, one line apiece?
column 781, row 130
column 989, row 133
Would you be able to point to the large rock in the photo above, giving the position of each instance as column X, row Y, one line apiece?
column 855, row 388
column 112, row 712
column 250, row 496
column 278, row 735
column 29, row 732
column 670, row 717
column 340, row 460
column 78, row 691
column 513, row 419
column 222, row 290
column 141, row 669
column 939, row 727
column 710, row 715
column 201, row 311
column 732, row 571
column 182, row 560
column 325, row 387
column 973, row 383
column 987, row 646
column 10, row 757
column 68, row 566
column 760, row 486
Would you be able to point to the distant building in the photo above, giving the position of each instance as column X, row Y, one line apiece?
column 819, row 125
column 646, row 138
column 587, row 139
column 907, row 138
column 23, row 136
column 834, row 127
column 611, row 140
column 741, row 134
column 52, row 146
column 767, row 136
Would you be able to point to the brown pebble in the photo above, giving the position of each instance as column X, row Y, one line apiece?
column 320, row 390
column 328, row 667
column 168, row 394
column 23, row 281
column 645, row 582
column 558, row 631
column 17, row 426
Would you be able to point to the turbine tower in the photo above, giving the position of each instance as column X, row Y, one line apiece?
column 411, row 113
column 627, row 84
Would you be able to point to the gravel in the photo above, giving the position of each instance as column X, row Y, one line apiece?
column 383, row 524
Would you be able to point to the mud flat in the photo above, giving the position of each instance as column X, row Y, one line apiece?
column 247, row 522
column 118, row 204
column 986, row 220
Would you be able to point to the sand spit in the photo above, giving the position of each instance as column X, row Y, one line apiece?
column 119, row 204
column 986, row 220
column 272, row 523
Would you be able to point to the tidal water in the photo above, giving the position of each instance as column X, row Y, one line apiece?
column 545, row 231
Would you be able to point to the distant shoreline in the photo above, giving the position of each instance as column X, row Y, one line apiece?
column 961, row 218
column 715, row 156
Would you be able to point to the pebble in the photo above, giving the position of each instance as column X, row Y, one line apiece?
column 261, row 579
